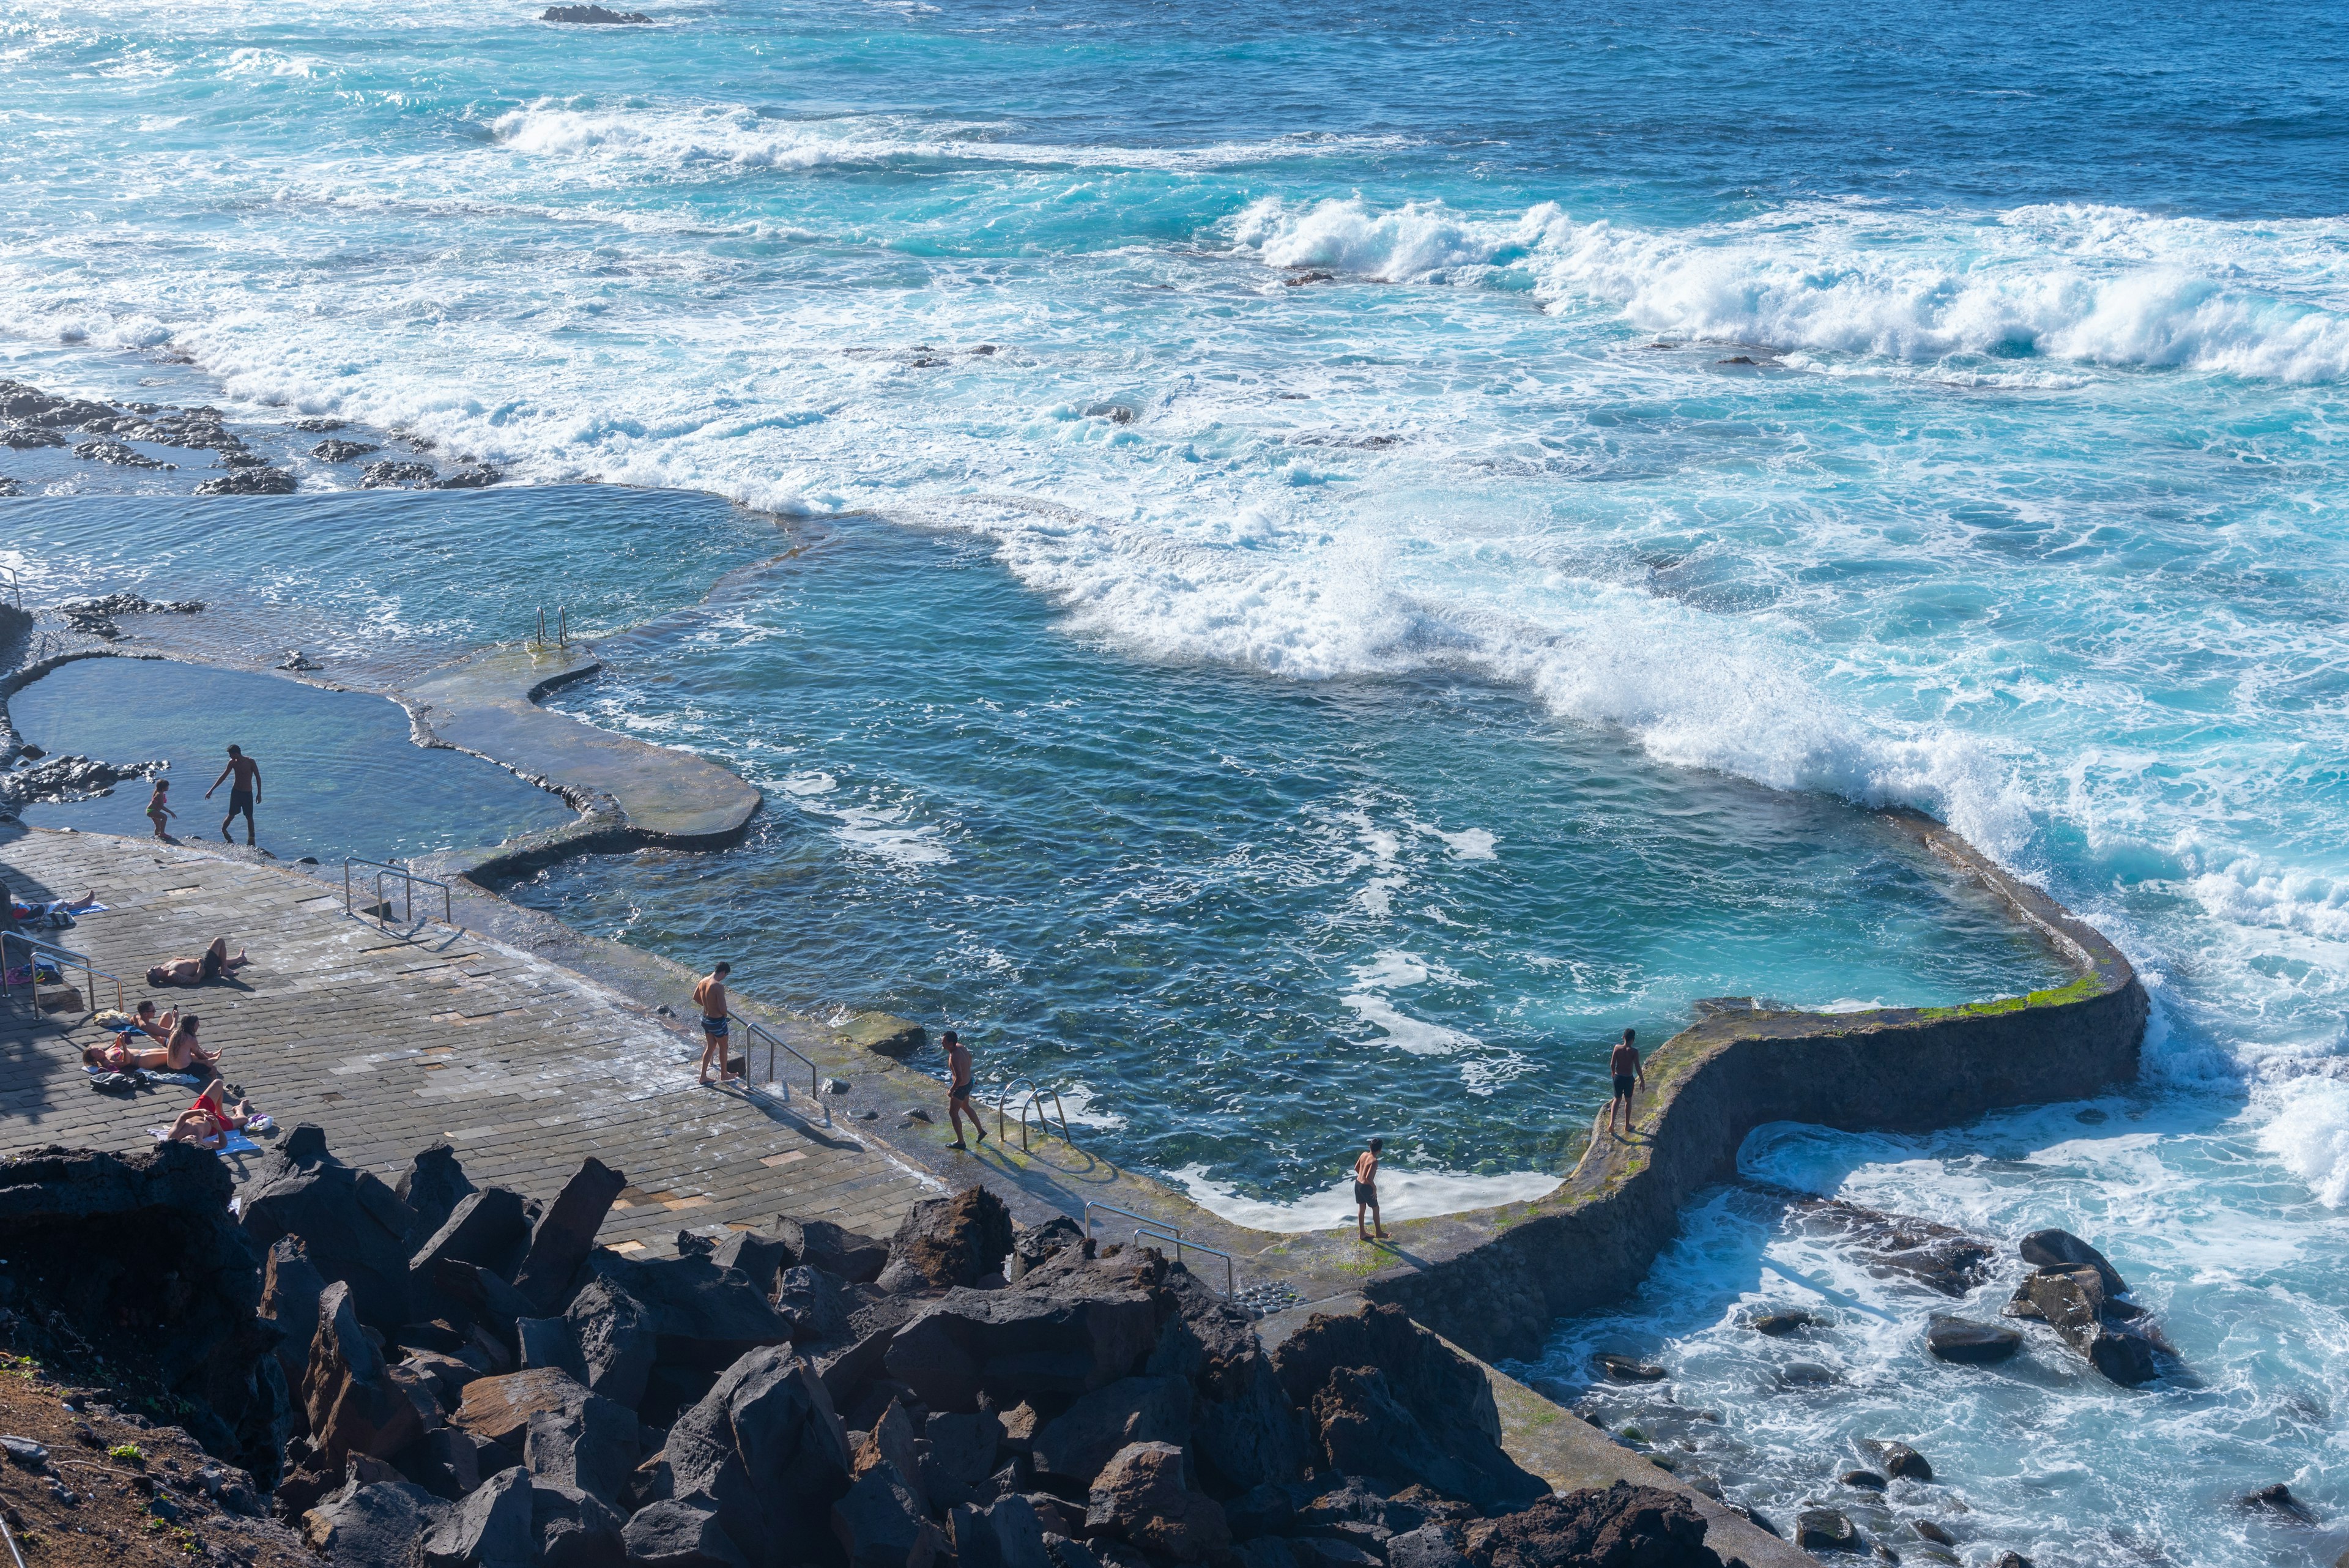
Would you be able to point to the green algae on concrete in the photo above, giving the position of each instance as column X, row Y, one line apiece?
column 487, row 704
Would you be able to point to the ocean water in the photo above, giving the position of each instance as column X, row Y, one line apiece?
column 1929, row 406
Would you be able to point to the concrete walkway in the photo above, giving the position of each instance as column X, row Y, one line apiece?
column 394, row 1043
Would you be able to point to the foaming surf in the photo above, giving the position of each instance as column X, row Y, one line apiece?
column 1403, row 1195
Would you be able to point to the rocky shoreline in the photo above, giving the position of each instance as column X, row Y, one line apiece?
column 432, row 1375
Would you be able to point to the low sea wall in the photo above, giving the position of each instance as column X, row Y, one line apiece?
column 1497, row 1282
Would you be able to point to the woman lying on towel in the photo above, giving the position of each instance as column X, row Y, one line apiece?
column 214, row 963
column 43, row 914
column 181, row 1054
column 208, row 1122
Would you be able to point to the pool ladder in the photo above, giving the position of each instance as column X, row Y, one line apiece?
column 64, row 959
column 1034, row 1102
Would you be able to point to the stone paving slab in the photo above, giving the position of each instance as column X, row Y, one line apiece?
column 392, row 1042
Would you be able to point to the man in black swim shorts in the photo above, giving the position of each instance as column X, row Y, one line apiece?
column 1624, row 1063
column 242, row 796
column 958, row 1080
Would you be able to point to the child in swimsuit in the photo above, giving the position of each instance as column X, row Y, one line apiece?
column 159, row 807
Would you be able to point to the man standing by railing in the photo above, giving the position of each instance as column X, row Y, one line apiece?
column 711, row 996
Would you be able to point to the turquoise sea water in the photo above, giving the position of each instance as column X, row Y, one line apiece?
column 1531, row 419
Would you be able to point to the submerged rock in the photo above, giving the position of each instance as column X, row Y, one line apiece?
column 119, row 455
column 342, row 451
column 1941, row 1257
column 1826, row 1530
column 1898, row 1459
column 472, row 478
column 592, row 15
column 2278, row 1499
column 57, row 780
column 1629, row 1370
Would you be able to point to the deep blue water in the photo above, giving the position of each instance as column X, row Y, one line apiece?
column 1543, row 418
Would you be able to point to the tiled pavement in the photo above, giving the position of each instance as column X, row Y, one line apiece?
column 394, row 1042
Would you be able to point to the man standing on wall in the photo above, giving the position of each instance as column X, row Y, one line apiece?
column 1624, row 1063
column 242, row 796
column 1366, row 1189
column 958, row 1081
column 711, row 996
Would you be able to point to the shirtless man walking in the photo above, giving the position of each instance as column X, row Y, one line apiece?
column 1624, row 1063
column 711, row 996
column 242, row 796
column 958, row 1080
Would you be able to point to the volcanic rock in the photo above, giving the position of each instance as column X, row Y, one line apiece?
column 2054, row 1249
column 490, row 1528
column 2277, row 1498
column 591, row 1445
column 21, row 437
column 614, row 1338
column 1620, row 1527
column 467, row 479
column 119, row 455
column 856, row 1258
column 70, row 778
column 1142, row 1497
column 764, row 1450
column 487, row 1228
column 1629, row 1369
column 1943, row 1257
column 388, row 473
column 499, row 1409
column 1005, row 1535
column 700, row 1315
column 1076, row 1444
column 1974, row 1343
column 1409, row 1408
column 353, row 1226
column 374, row 1524
column 432, row 1185
column 342, row 451
column 1011, row 1344
column 680, row 1534
column 356, row 1403
column 565, row 1233
column 948, row 1242
column 1826, row 1530
column 592, row 15
column 249, row 482
column 575, row 1530
column 1898, row 1459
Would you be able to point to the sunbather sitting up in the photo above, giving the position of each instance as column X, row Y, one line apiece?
column 154, row 1028
column 214, row 963
column 181, row 1054
column 208, row 1122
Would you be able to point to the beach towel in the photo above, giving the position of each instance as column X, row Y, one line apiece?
column 237, row 1142
column 148, row 1077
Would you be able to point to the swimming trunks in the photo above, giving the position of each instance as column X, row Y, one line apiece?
column 958, row 1091
column 714, row 1027
column 1623, row 1082
column 1366, row 1192
column 210, row 970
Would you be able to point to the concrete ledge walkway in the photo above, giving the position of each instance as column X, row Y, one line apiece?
column 394, row 1043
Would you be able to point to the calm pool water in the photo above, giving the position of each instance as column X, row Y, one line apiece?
column 338, row 773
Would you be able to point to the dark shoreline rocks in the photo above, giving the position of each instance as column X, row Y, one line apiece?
column 592, row 15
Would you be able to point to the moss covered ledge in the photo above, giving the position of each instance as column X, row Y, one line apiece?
column 1497, row 1279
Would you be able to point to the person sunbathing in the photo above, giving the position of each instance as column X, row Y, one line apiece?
column 184, row 1054
column 122, row 1057
column 208, row 1122
column 154, row 1028
column 214, row 963
column 28, row 913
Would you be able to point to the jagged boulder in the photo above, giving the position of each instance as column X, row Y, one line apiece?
column 812, row 1305
column 498, row 1409
column 765, row 1451
column 2073, row 1302
column 1624, row 1526
column 1387, row 1398
column 489, row 1229
column 948, row 1242
column 681, row 1533
column 1144, row 1497
column 1243, row 1428
column 290, row 1291
column 374, row 1524
column 575, row 1530
column 490, row 1528
column 1074, row 1446
column 591, row 1445
column 432, row 1185
column 759, row 1258
column 615, row 1339
column 2054, row 1249
column 565, row 1233
column 1011, row 1344
column 699, row 1314
column 358, row 1404
column 1006, row 1533
column 856, row 1258
column 353, row 1228
column 1974, row 1343
column 881, row 1523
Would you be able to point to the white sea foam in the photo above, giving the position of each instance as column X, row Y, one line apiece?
column 2310, row 1133
column 2094, row 284
column 1403, row 1195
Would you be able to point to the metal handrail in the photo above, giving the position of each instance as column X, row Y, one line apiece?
column 14, row 584
column 1158, row 1232
column 91, row 973
column 751, row 1027
column 382, row 908
column 1093, row 1203
column 1034, row 1102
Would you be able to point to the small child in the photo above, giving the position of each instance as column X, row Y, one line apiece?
column 159, row 807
